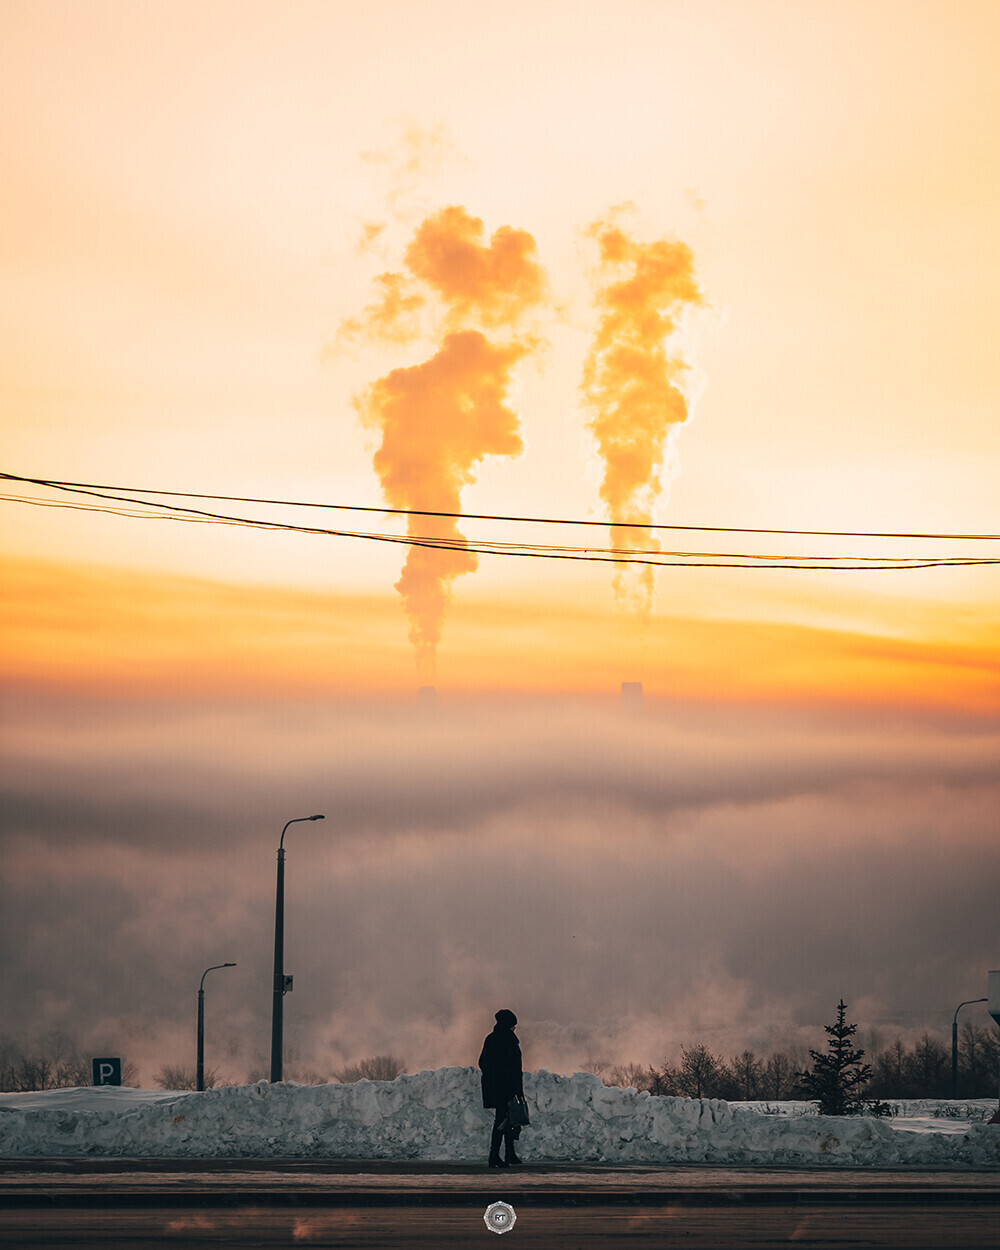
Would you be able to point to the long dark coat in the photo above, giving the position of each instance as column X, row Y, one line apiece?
column 500, row 1062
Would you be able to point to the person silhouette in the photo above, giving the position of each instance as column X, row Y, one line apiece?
column 503, row 1079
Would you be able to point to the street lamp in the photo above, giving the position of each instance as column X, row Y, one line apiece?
column 954, row 1043
column 282, row 984
column 199, row 1081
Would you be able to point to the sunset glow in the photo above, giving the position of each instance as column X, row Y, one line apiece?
column 541, row 280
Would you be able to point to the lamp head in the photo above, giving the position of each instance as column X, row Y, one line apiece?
column 317, row 818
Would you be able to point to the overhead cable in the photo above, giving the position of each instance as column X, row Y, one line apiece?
column 152, row 510
column 485, row 516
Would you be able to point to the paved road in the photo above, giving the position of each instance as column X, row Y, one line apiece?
column 193, row 1205
column 329, row 1180
column 913, row 1227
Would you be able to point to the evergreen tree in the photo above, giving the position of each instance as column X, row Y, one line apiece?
column 836, row 1078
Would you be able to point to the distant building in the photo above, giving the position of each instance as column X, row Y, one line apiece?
column 632, row 698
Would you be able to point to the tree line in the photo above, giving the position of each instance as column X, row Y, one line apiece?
column 53, row 1061
column 56, row 1061
column 897, row 1070
column 371, row 1068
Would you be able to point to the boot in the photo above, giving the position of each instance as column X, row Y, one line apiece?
column 508, row 1141
column 495, row 1139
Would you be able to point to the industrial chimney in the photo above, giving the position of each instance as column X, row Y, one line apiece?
column 632, row 698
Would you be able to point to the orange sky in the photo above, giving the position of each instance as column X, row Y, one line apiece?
column 318, row 251
column 90, row 630
column 200, row 198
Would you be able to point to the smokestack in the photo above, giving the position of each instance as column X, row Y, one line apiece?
column 632, row 698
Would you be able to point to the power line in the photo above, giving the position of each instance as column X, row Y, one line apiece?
column 484, row 516
column 627, row 555
column 148, row 510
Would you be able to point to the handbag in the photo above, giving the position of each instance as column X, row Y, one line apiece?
column 517, row 1111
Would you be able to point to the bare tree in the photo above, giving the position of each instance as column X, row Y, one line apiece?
column 891, row 1073
column 930, row 1069
column 53, row 1061
column 372, row 1068
column 8, row 1064
column 749, row 1073
column 701, row 1073
column 665, row 1081
column 778, row 1079
column 628, row 1075
column 978, row 1053
column 596, row 1065
column 184, row 1078
column 308, row 1076
column 874, row 1041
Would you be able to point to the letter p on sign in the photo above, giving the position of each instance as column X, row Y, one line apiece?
column 107, row 1072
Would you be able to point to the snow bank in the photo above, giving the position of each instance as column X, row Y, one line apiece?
column 905, row 1110
column 437, row 1115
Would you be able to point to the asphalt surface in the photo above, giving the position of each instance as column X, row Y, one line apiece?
column 81, row 1180
column 145, row 1204
column 84, row 1181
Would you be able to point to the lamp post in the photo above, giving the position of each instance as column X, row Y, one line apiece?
column 199, row 1080
column 281, row 983
column 954, row 1043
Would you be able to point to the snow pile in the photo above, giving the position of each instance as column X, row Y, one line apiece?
column 974, row 1109
column 903, row 1109
column 910, row 1115
column 437, row 1115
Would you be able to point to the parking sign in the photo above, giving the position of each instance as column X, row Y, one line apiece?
column 107, row 1072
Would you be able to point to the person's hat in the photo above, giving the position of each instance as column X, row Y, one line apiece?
column 506, row 1017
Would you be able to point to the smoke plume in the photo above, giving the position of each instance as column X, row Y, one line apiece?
column 438, row 420
column 441, row 418
column 494, row 284
column 632, row 380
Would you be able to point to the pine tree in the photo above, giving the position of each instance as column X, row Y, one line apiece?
column 837, row 1077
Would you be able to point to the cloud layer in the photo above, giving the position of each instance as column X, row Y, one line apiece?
column 627, row 886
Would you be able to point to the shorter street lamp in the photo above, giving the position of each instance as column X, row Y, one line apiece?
column 199, row 1079
column 954, row 1043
